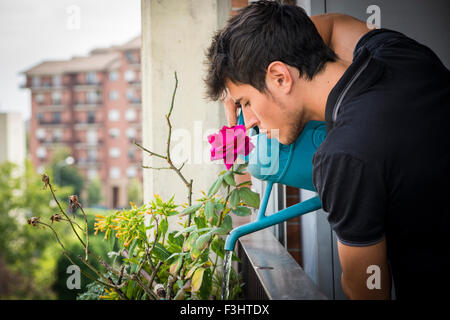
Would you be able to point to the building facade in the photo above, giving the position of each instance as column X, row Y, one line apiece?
column 91, row 105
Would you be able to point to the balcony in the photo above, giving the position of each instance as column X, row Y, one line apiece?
column 134, row 83
column 83, row 144
column 88, row 105
column 88, row 84
column 88, row 163
column 53, row 123
column 135, row 101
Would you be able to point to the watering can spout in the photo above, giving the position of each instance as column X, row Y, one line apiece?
column 263, row 221
column 291, row 165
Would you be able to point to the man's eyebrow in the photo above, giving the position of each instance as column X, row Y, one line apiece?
column 237, row 101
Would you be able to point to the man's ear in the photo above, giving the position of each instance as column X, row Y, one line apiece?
column 278, row 76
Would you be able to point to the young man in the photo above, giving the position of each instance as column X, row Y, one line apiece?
column 383, row 172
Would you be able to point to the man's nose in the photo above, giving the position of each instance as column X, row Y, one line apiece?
column 250, row 118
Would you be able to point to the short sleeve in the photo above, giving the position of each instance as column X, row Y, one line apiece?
column 352, row 191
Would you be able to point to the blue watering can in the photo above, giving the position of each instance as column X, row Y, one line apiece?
column 286, row 164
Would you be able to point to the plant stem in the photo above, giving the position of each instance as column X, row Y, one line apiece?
column 67, row 217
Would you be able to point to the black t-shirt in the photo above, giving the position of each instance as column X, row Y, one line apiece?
column 384, row 167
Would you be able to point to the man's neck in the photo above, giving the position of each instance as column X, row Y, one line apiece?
column 318, row 89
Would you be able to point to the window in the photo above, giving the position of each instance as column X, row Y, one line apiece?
column 91, row 77
column 131, row 154
column 114, row 152
column 113, row 115
column 41, row 152
column 114, row 172
column 114, row 132
column 130, row 94
column 114, row 76
column 129, row 56
column 40, row 117
column 130, row 115
column 35, row 81
column 91, row 117
column 56, row 117
column 131, row 172
column 40, row 133
column 92, row 174
column 56, row 80
column 39, row 98
column 131, row 133
column 129, row 75
column 92, row 96
column 92, row 155
column 91, row 137
column 56, row 97
column 57, row 135
column 113, row 95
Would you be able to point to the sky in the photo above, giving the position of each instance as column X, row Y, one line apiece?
column 34, row 31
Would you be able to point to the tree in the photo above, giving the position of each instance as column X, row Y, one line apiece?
column 94, row 192
column 26, row 255
column 135, row 192
column 64, row 174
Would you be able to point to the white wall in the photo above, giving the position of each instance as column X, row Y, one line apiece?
column 12, row 138
column 175, row 35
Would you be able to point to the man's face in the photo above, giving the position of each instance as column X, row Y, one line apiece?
column 269, row 110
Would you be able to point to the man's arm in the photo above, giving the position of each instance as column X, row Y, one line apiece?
column 340, row 32
column 355, row 262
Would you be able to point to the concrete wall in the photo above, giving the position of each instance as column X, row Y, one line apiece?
column 175, row 35
column 12, row 138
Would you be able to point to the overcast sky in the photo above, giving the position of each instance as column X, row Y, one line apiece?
column 33, row 31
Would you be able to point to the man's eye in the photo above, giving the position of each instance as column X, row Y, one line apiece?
column 247, row 104
column 237, row 104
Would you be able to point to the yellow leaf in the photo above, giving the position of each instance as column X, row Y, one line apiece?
column 197, row 279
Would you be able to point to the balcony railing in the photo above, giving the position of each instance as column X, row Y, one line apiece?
column 270, row 272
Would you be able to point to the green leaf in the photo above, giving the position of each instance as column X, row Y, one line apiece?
column 218, row 246
column 185, row 230
column 200, row 222
column 234, row 198
column 249, row 197
column 229, row 178
column 202, row 241
column 242, row 211
column 215, row 187
column 163, row 227
column 190, row 241
column 191, row 209
column 174, row 267
column 205, row 288
column 245, row 183
column 192, row 270
column 197, row 279
column 160, row 252
column 209, row 209
column 175, row 241
column 240, row 168
column 226, row 226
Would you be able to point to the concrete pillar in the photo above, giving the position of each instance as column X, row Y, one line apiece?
column 175, row 35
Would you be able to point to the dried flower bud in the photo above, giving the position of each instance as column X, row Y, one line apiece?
column 45, row 180
column 73, row 202
column 33, row 221
column 56, row 217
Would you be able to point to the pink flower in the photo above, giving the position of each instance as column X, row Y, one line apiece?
column 228, row 143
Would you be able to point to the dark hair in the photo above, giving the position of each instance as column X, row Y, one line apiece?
column 261, row 33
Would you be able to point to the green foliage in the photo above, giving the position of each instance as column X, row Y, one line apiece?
column 94, row 192
column 195, row 253
column 135, row 192
column 63, row 174
column 28, row 256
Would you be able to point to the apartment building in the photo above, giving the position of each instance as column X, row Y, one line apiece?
column 92, row 105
